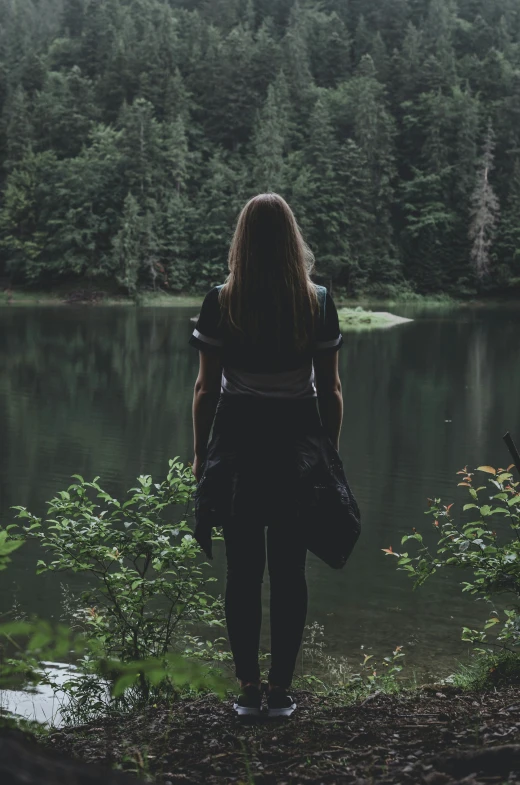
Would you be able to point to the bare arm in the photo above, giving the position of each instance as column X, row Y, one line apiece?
column 330, row 394
column 205, row 400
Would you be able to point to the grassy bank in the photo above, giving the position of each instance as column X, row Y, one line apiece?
column 90, row 295
column 94, row 297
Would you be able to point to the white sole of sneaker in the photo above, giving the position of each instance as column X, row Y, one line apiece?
column 245, row 711
column 285, row 712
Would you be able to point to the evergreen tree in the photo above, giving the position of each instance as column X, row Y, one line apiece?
column 298, row 71
column 19, row 132
column 410, row 62
column 508, row 240
column 64, row 112
column 380, row 59
column 485, row 210
column 329, row 48
column 128, row 245
column 72, row 17
column 219, row 200
column 269, row 145
column 328, row 233
column 24, row 217
column 362, row 40
column 142, row 148
column 266, row 60
column 362, row 269
column 361, row 114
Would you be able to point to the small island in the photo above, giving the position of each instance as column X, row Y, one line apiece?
column 359, row 319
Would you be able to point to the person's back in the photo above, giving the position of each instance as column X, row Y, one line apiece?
column 268, row 340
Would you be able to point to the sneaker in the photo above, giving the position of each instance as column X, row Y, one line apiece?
column 249, row 701
column 279, row 703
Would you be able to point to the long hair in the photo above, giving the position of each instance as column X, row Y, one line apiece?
column 269, row 283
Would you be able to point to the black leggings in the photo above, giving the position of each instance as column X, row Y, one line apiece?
column 246, row 556
column 263, row 434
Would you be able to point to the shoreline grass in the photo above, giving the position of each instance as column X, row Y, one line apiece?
column 90, row 296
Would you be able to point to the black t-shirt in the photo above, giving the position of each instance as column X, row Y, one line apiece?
column 262, row 370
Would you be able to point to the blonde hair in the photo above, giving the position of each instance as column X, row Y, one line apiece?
column 269, row 275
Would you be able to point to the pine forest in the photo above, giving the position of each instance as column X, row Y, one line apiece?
column 133, row 131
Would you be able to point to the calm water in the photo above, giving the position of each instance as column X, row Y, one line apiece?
column 107, row 391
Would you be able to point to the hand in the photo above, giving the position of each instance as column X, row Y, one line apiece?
column 197, row 467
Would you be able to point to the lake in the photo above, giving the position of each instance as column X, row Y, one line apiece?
column 108, row 391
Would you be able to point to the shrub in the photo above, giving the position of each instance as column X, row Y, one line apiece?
column 487, row 546
column 147, row 586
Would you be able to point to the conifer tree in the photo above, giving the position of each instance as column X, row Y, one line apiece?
column 19, row 130
column 508, row 240
column 269, row 145
column 485, row 209
column 328, row 233
column 128, row 246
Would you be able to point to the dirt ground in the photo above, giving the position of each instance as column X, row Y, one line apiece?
column 433, row 736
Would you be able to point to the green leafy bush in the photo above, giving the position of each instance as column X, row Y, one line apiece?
column 487, row 546
column 147, row 585
column 146, row 600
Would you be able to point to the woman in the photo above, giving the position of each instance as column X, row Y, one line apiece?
column 268, row 340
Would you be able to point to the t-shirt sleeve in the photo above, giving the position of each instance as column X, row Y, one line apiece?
column 328, row 337
column 207, row 335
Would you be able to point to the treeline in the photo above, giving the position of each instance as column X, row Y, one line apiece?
column 133, row 131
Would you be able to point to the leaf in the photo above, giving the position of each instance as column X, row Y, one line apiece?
column 14, row 628
column 9, row 547
column 123, row 683
column 487, row 469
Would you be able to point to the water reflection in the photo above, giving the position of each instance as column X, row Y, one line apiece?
column 108, row 392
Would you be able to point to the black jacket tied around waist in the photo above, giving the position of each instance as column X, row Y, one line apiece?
column 273, row 457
